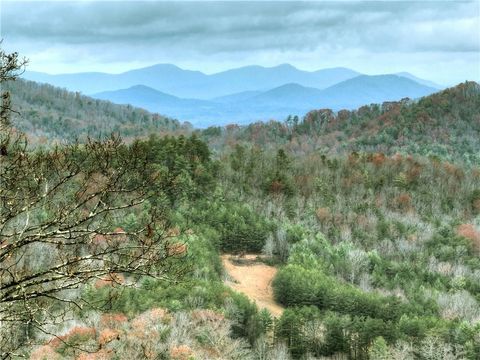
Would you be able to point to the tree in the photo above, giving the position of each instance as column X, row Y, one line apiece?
column 379, row 349
column 11, row 66
column 59, row 215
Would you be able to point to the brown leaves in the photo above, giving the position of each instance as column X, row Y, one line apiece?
column 176, row 249
column 323, row 215
column 471, row 233
column 111, row 279
column 181, row 352
column 403, row 202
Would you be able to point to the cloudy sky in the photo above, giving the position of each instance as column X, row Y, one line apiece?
column 437, row 40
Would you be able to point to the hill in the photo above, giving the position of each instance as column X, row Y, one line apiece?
column 276, row 103
column 151, row 99
column 173, row 80
column 370, row 250
column 366, row 89
column 444, row 124
column 47, row 112
column 420, row 80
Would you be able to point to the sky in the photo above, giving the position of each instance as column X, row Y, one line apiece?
column 437, row 40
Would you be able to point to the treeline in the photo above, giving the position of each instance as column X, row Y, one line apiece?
column 371, row 217
column 47, row 113
column 378, row 252
column 445, row 124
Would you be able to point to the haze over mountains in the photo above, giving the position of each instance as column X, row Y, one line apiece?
column 240, row 95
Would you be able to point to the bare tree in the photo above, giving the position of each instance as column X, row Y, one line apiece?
column 59, row 215
column 11, row 66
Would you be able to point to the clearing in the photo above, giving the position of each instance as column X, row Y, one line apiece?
column 254, row 279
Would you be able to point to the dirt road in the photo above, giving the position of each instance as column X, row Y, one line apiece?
column 253, row 279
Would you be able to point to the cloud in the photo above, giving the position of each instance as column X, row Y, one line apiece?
column 137, row 31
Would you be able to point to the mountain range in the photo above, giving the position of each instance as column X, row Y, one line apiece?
column 276, row 103
column 173, row 80
column 240, row 95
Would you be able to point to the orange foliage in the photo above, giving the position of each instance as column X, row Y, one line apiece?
column 113, row 320
column 403, row 201
column 108, row 335
column 157, row 314
column 45, row 352
column 143, row 326
column 112, row 279
column 99, row 239
column 469, row 232
column 378, row 159
column 117, row 236
column 78, row 333
column 181, row 352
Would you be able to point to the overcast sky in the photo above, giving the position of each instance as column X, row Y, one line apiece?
column 437, row 40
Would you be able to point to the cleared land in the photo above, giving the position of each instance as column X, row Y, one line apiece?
column 254, row 279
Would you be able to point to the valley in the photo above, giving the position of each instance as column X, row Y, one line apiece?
column 240, row 180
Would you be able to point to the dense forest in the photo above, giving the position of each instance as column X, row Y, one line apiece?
column 445, row 124
column 372, row 218
column 49, row 114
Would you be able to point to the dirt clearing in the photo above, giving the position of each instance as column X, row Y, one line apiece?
column 254, row 279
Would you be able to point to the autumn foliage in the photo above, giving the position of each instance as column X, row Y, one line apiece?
column 471, row 233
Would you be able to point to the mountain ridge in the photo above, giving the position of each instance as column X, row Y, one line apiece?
column 184, row 83
column 275, row 103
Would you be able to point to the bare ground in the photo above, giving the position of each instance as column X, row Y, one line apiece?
column 254, row 279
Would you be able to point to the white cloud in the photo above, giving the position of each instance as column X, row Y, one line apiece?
column 438, row 40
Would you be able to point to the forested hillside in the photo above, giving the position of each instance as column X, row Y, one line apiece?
column 48, row 113
column 445, row 124
column 111, row 250
column 377, row 253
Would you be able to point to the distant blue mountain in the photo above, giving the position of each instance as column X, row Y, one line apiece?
column 233, row 98
column 420, row 80
column 150, row 99
column 171, row 79
column 258, row 78
column 365, row 89
column 275, row 103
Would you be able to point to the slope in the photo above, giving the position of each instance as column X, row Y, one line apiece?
column 47, row 112
column 183, row 83
column 277, row 103
column 444, row 124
